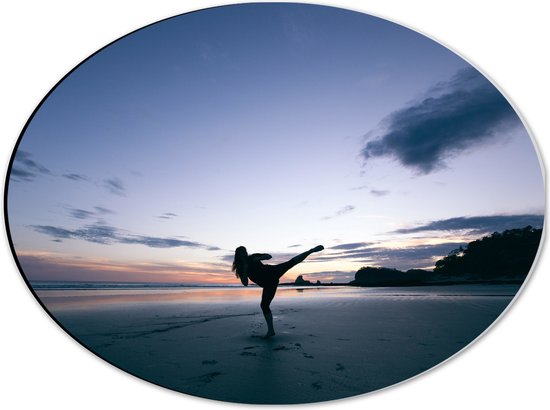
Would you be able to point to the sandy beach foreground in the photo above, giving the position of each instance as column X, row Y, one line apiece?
column 331, row 343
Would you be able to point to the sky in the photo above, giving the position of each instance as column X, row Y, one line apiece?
column 273, row 126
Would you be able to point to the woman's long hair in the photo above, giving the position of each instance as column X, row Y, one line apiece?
column 240, row 262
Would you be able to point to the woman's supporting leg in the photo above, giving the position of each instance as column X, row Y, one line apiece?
column 267, row 296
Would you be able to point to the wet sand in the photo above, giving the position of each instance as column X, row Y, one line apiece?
column 331, row 342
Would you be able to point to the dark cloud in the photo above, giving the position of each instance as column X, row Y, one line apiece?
column 115, row 186
column 105, row 234
column 453, row 116
column 295, row 246
column 167, row 215
column 25, row 168
column 346, row 209
column 75, row 177
column 478, row 224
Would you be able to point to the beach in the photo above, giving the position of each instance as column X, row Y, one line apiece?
column 331, row 342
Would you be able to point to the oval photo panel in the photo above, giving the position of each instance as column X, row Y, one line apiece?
column 275, row 203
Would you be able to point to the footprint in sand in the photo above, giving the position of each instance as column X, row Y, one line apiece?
column 317, row 385
column 201, row 381
column 208, row 377
column 308, row 356
column 209, row 362
column 280, row 348
column 248, row 354
column 339, row 367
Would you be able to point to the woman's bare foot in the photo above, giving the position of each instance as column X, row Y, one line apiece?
column 269, row 334
column 318, row 248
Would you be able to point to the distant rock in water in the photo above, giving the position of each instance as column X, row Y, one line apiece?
column 300, row 281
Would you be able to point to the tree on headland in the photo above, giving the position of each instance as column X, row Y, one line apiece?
column 508, row 255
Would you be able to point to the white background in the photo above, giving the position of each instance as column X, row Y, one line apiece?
column 40, row 365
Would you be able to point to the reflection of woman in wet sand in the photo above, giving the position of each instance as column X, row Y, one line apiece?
column 248, row 266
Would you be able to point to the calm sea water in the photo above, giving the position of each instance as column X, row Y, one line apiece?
column 101, row 295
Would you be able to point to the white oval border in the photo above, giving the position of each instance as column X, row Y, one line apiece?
column 505, row 368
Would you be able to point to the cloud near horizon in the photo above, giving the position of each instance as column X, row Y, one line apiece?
column 403, row 258
column 454, row 116
column 104, row 234
column 478, row 224
column 355, row 245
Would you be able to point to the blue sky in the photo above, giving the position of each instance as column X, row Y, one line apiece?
column 274, row 126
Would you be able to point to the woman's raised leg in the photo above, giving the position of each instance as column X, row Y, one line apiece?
column 284, row 267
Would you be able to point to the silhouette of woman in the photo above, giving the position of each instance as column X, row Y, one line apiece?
column 266, row 276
